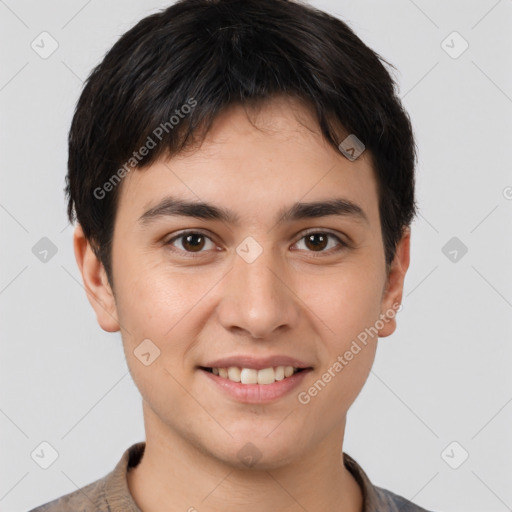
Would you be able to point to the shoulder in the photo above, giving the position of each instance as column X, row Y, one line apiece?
column 378, row 499
column 107, row 494
column 90, row 498
column 395, row 503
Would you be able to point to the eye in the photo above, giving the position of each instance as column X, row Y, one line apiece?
column 191, row 242
column 318, row 241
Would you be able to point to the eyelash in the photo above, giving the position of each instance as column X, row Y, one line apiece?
column 344, row 245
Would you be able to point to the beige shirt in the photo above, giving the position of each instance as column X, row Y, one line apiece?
column 111, row 493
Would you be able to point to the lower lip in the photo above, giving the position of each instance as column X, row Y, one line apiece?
column 257, row 393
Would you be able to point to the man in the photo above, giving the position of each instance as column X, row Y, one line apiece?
column 242, row 174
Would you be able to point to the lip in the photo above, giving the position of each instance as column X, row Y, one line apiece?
column 257, row 393
column 256, row 363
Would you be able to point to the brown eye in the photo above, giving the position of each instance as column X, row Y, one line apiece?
column 318, row 241
column 190, row 242
column 194, row 242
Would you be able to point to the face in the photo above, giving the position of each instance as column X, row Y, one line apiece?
column 264, row 280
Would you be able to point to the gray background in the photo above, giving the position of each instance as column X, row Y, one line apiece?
column 443, row 376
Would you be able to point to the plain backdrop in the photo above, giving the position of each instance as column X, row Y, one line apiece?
column 441, row 387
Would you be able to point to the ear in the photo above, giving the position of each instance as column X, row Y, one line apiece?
column 96, row 284
column 392, row 296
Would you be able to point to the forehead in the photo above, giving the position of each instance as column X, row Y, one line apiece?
column 255, row 161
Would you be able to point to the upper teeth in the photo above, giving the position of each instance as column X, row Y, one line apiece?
column 252, row 376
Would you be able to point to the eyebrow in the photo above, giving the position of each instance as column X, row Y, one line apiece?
column 171, row 207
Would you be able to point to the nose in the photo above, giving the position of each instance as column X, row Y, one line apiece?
column 257, row 300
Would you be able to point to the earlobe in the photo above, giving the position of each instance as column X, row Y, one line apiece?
column 392, row 296
column 98, row 290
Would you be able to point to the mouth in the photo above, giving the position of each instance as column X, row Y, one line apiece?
column 265, row 376
column 255, row 386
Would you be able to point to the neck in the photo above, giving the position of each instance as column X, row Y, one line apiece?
column 176, row 475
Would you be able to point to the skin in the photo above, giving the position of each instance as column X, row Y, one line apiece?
column 298, row 299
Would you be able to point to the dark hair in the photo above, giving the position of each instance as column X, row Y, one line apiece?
column 208, row 54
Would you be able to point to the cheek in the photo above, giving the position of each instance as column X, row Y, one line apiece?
column 165, row 307
column 347, row 301
column 150, row 299
column 348, row 345
column 346, row 308
column 153, row 313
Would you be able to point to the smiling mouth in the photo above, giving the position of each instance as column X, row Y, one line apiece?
column 252, row 376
